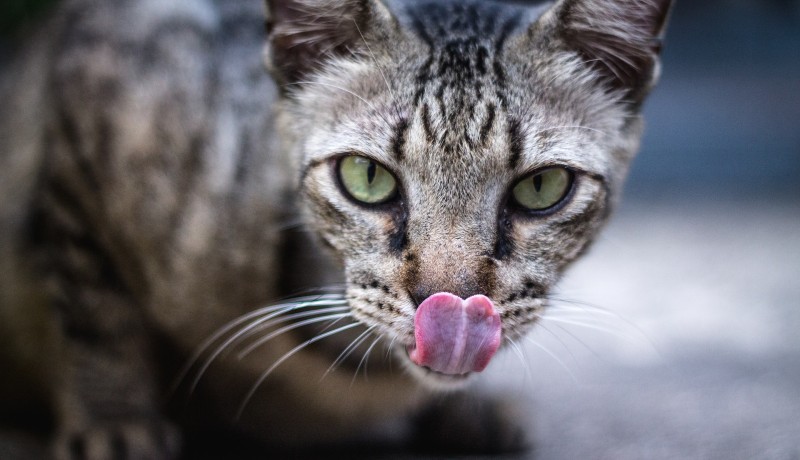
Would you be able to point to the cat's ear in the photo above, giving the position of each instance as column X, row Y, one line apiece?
column 303, row 34
column 620, row 38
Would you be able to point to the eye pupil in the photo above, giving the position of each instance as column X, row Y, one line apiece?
column 371, row 170
column 537, row 182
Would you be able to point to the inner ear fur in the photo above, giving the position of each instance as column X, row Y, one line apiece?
column 621, row 39
column 303, row 34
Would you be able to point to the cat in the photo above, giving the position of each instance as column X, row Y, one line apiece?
column 410, row 177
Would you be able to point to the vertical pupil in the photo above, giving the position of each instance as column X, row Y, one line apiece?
column 371, row 169
column 537, row 182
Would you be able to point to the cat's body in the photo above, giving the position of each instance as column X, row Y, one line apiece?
column 153, row 175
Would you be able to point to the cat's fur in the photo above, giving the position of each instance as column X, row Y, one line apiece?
column 152, row 173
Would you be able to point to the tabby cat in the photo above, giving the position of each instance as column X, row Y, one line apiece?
column 410, row 177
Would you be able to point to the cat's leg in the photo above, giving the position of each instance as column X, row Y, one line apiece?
column 467, row 422
column 107, row 403
column 106, row 393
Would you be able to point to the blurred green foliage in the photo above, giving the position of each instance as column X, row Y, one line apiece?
column 14, row 14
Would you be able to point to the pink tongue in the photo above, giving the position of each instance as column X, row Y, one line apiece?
column 455, row 336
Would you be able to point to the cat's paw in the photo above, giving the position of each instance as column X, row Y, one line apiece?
column 470, row 424
column 138, row 440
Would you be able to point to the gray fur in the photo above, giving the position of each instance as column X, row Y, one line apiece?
column 150, row 167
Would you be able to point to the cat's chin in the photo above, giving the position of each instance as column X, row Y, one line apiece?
column 430, row 378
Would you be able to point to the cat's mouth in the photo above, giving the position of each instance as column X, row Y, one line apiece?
column 454, row 337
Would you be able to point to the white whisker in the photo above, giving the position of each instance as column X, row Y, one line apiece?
column 267, row 321
column 388, row 353
column 348, row 350
column 569, row 333
column 275, row 319
column 364, row 360
column 521, row 355
column 590, row 309
column 584, row 306
column 286, row 356
column 331, row 291
column 297, row 303
column 250, row 348
column 613, row 332
column 555, row 358
column 210, row 359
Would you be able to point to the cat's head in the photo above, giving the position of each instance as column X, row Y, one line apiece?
column 460, row 149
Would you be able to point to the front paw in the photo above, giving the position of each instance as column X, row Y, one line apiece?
column 469, row 424
column 136, row 440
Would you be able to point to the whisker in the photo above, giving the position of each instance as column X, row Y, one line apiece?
column 286, row 356
column 332, row 292
column 297, row 303
column 612, row 332
column 563, row 344
column 521, row 355
column 388, row 354
column 331, row 324
column 585, row 306
column 267, row 321
column 249, row 349
column 210, row 359
column 552, row 355
column 576, row 305
column 574, row 337
column 348, row 350
column 364, row 360
column 390, row 347
column 275, row 319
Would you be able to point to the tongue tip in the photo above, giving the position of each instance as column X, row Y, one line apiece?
column 488, row 350
column 437, row 326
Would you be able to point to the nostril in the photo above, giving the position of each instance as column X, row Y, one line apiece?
column 420, row 293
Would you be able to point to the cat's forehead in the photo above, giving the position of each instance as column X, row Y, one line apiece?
column 455, row 91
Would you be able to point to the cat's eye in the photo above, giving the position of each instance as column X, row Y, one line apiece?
column 543, row 190
column 366, row 181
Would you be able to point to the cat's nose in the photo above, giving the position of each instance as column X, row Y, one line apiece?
column 422, row 291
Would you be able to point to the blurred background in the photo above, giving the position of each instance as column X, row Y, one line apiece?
column 679, row 335
column 725, row 119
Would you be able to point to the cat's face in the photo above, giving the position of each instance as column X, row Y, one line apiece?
column 466, row 149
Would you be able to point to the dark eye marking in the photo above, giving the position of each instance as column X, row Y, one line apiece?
column 515, row 143
column 399, row 140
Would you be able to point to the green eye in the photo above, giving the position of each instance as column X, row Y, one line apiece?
column 366, row 181
column 543, row 190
